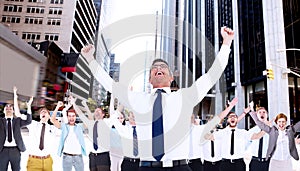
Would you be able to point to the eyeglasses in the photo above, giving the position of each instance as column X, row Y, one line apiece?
column 232, row 116
column 155, row 66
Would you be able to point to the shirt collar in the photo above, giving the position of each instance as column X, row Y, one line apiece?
column 11, row 117
column 166, row 89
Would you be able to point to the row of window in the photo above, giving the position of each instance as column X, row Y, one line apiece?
column 37, row 10
column 51, row 2
column 37, row 36
column 15, row 0
column 30, row 20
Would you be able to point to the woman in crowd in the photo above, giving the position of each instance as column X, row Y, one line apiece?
column 281, row 142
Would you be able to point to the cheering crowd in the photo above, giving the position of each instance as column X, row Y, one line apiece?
column 160, row 134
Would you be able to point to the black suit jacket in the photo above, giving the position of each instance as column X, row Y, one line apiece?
column 17, row 124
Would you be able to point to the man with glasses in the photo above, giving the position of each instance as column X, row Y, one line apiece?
column 11, row 142
column 163, row 116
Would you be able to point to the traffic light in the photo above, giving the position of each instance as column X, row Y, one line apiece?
column 270, row 74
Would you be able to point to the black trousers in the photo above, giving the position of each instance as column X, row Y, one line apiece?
column 256, row 165
column 99, row 161
column 211, row 166
column 177, row 168
column 196, row 164
column 233, row 165
column 130, row 164
column 10, row 155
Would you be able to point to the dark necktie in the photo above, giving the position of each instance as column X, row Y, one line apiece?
column 9, row 133
column 212, row 146
column 95, row 136
column 261, row 140
column 157, row 128
column 42, row 137
column 232, row 142
column 135, row 142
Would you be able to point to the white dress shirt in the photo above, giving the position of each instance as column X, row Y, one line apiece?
column 13, row 142
column 195, row 147
column 126, row 133
column 206, row 150
column 50, row 139
column 177, row 109
column 241, row 139
column 282, row 151
column 254, row 144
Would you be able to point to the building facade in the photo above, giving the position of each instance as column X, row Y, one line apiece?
column 70, row 24
column 261, row 28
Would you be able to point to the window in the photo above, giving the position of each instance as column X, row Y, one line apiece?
column 15, row 0
column 54, row 21
column 11, row 19
column 56, row 1
column 13, row 8
column 57, row 11
column 51, row 36
column 38, row 10
column 33, row 20
column 31, row 36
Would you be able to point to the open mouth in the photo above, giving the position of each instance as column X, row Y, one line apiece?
column 159, row 73
column 262, row 117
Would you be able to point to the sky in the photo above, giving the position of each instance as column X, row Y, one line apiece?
column 121, row 10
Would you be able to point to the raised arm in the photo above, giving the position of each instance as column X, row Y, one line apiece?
column 29, row 112
column 266, row 128
column 98, row 72
column 258, row 135
column 246, row 110
column 64, row 112
column 53, row 120
column 87, row 109
column 210, row 125
column 27, row 119
column 16, row 104
column 206, row 81
column 81, row 115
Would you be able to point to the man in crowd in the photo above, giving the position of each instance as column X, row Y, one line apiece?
column 71, row 143
column 162, row 140
column 11, row 141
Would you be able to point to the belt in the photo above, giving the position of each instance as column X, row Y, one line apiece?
column 233, row 160
column 259, row 159
column 40, row 157
column 212, row 163
column 194, row 160
column 9, row 146
column 97, row 154
column 160, row 164
column 67, row 154
column 134, row 160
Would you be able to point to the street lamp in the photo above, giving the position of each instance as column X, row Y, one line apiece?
column 283, row 50
column 287, row 70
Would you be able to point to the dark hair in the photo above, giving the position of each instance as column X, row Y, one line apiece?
column 43, row 108
column 231, row 113
column 160, row 60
